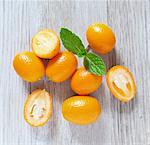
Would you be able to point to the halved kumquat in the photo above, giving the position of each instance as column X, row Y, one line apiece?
column 121, row 83
column 38, row 108
column 46, row 44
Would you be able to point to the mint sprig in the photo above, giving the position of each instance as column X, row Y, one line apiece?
column 72, row 42
column 92, row 62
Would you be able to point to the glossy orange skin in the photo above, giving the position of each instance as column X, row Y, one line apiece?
column 101, row 38
column 84, row 82
column 81, row 110
column 46, row 44
column 28, row 66
column 128, row 90
column 61, row 67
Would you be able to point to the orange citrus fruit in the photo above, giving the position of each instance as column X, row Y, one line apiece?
column 81, row 110
column 121, row 83
column 83, row 82
column 46, row 44
column 38, row 108
column 28, row 66
column 61, row 67
column 101, row 38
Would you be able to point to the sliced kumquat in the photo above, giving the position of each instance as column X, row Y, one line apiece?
column 121, row 83
column 46, row 44
column 38, row 108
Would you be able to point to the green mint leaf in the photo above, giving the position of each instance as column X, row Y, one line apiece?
column 72, row 42
column 94, row 64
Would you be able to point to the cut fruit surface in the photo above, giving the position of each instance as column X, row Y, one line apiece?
column 121, row 83
column 38, row 108
column 46, row 44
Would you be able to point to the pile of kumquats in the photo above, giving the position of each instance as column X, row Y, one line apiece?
column 80, row 109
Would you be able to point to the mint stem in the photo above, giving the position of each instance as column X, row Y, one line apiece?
column 88, row 48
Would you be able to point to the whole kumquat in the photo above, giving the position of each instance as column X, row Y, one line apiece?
column 81, row 110
column 28, row 66
column 83, row 82
column 61, row 67
column 101, row 38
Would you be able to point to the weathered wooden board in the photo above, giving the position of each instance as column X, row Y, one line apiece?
column 120, row 124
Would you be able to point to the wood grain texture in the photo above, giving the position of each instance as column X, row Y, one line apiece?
column 120, row 124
